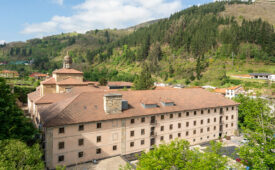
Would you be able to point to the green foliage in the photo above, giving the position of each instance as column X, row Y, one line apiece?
column 22, row 92
column 257, row 123
column 103, row 81
column 13, row 124
column 178, row 155
column 15, row 154
column 144, row 81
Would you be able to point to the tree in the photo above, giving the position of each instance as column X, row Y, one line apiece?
column 144, row 81
column 257, row 124
column 178, row 155
column 103, row 81
column 15, row 154
column 13, row 124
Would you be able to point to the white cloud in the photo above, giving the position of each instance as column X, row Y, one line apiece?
column 99, row 14
column 59, row 2
column 2, row 41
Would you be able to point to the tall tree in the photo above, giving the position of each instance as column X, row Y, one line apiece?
column 144, row 81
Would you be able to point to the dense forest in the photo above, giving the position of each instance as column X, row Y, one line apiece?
column 187, row 45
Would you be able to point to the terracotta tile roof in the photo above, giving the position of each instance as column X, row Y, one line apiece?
column 52, row 98
column 48, row 81
column 67, row 70
column 71, row 81
column 221, row 90
column 119, row 83
column 33, row 96
column 88, row 106
column 234, row 87
column 38, row 75
column 9, row 72
column 242, row 75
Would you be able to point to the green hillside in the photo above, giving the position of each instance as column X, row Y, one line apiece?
column 199, row 45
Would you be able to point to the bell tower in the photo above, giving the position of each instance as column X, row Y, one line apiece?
column 67, row 63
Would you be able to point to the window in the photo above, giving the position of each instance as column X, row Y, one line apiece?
column 214, row 135
column 226, row 117
column 232, row 107
column 171, row 127
column 215, row 119
column 179, row 125
column 194, row 123
column 61, row 145
column 201, row 138
column 194, row 140
column 232, row 124
column 170, row 136
column 226, row 125
column 208, row 129
column 162, row 128
column 132, row 144
column 61, row 130
column 187, row 124
column 80, row 127
column 226, row 108
column 187, row 114
column 195, row 113
column 132, row 133
column 201, row 122
column 202, row 112
column 179, row 134
column 98, row 151
column 67, row 90
column 162, row 117
column 80, row 142
column 208, row 110
column 142, row 142
column 232, row 117
column 201, row 130
column 214, row 127
column 132, row 121
column 179, row 114
column 98, row 139
column 187, row 133
column 142, row 131
column 215, row 110
column 207, row 137
column 194, row 132
column 60, row 158
column 142, row 119
column 208, row 120
column 161, row 138
column 98, row 125
column 114, row 147
column 80, row 154
column 171, row 116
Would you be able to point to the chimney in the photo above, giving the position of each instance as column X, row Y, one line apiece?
column 112, row 103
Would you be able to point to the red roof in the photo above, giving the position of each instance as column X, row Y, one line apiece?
column 67, row 70
column 9, row 72
column 49, row 81
column 38, row 75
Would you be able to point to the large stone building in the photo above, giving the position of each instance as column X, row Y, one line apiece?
column 88, row 123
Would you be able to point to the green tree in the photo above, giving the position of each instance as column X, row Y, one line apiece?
column 178, row 155
column 13, row 124
column 15, row 154
column 144, row 81
column 257, row 124
column 103, row 81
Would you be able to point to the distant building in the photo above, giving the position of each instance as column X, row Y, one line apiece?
column 9, row 74
column 244, row 76
column 271, row 77
column 119, row 85
column 39, row 76
column 263, row 76
column 234, row 91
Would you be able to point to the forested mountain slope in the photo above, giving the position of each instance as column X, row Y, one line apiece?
column 197, row 44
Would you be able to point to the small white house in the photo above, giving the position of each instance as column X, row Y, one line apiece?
column 271, row 77
column 233, row 91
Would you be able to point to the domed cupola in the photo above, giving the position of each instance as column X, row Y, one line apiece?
column 67, row 63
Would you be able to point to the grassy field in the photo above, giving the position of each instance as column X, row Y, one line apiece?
column 260, row 9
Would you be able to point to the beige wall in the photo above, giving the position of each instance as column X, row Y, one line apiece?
column 60, row 77
column 47, row 89
column 117, row 132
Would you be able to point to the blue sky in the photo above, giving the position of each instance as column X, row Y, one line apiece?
column 26, row 19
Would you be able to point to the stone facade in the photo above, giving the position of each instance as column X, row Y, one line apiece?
column 112, row 103
column 80, row 143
